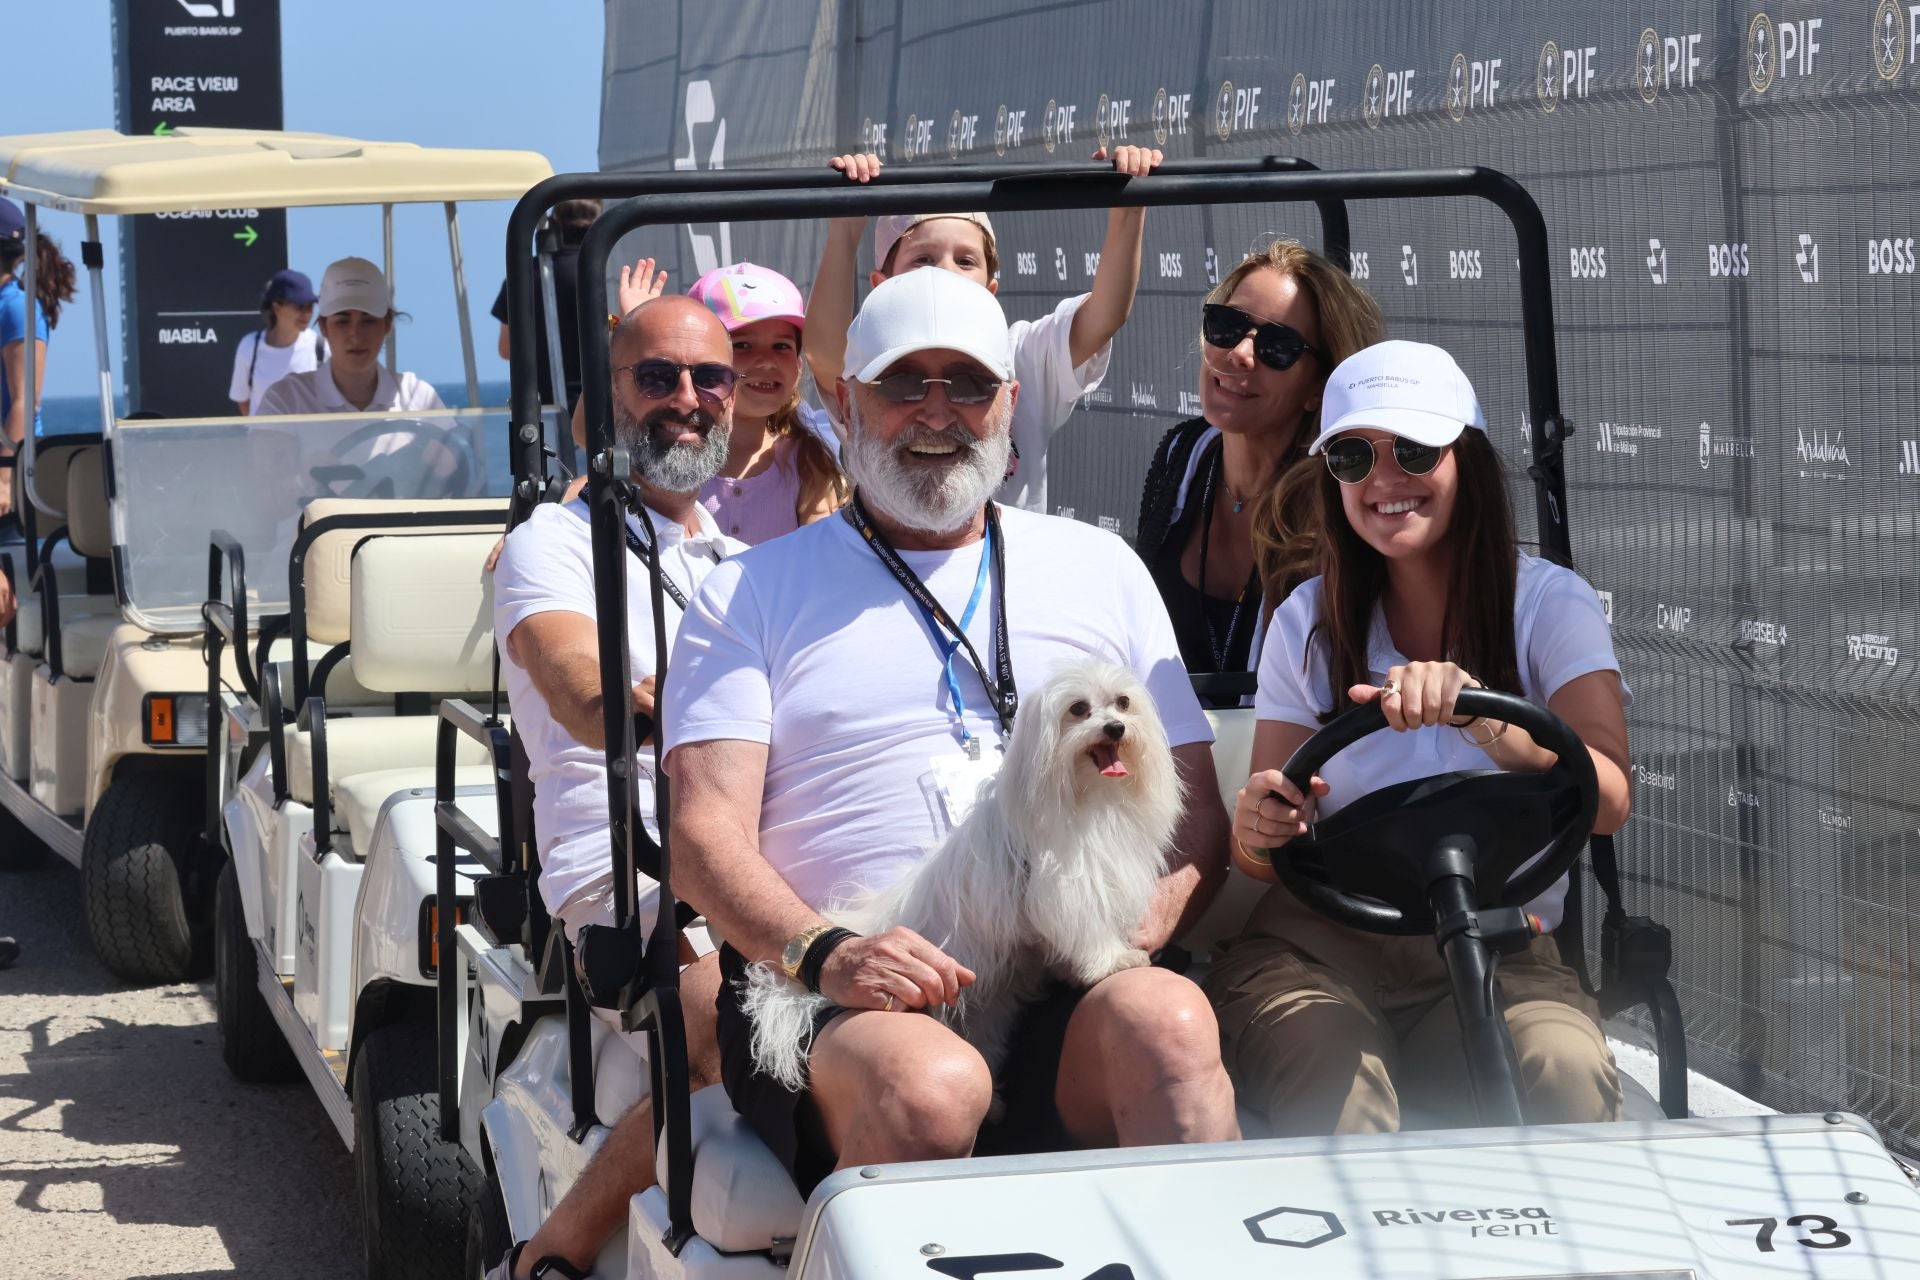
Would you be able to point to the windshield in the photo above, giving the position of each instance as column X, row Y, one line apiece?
column 175, row 481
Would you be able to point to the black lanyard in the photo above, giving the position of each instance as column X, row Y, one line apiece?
column 1001, row 690
column 645, row 555
column 1220, row 649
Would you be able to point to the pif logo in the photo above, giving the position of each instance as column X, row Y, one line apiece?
column 1780, row 51
column 1457, row 87
column 1297, row 103
column 1223, row 111
column 1646, row 66
column 1889, row 49
column 1546, row 77
column 1388, row 94
column 962, row 131
column 1235, row 109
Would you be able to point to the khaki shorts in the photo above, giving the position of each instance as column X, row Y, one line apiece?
column 1327, row 1029
column 594, row 905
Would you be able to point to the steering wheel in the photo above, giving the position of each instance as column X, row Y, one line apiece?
column 407, row 471
column 1366, row 866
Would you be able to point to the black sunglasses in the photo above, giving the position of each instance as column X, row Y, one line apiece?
column 658, row 379
column 911, row 388
column 1350, row 458
column 1275, row 345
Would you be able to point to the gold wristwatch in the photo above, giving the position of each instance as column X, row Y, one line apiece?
column 796, row 949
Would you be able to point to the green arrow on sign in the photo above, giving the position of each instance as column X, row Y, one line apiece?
column 247, row 236
column 163, row 130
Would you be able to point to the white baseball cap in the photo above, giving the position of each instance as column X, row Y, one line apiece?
column 354, row 284
column 1413, row 389
column 929, row 310
column 888, row 231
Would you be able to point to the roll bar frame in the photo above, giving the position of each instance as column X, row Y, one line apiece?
column 643, row 981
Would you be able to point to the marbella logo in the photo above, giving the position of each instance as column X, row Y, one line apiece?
column 1714, row 445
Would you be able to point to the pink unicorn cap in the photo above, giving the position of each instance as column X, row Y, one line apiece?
column 745, row 294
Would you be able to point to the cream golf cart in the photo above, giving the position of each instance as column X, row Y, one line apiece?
column 529, row 1080
column 104, row 707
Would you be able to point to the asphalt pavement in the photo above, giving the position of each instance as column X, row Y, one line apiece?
column 126, row 1149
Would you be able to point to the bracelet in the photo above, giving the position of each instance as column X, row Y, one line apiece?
column 1264, row 856
column 1464, row 731
column 817, row 953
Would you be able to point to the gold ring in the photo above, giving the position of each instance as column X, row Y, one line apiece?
column 888, row 1007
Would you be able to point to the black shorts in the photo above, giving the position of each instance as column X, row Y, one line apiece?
column 792, row 1129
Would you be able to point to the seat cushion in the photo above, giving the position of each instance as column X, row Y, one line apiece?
column 83, row 640
column 359, row 800
column 743, row 1197
column 368, row 744
column 30, row 627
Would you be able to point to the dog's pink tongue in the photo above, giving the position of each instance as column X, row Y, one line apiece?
column 1107, row 756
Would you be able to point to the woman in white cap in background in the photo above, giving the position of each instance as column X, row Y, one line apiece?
column 284, row 343
column 1422, row 592
column 356, row 315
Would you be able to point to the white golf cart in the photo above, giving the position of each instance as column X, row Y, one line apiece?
column 528, row 1077
column 104, row 710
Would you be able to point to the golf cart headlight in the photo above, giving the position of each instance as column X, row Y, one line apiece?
column 174, row 720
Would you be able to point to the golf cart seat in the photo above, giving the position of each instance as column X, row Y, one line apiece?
column 744, row 1201
column 420, row 619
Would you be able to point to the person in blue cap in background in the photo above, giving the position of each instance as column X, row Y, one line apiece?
column 285, row 342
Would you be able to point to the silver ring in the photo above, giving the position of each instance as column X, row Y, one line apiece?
column 1391, row 686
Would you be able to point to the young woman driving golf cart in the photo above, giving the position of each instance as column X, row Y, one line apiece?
column 1422, row 593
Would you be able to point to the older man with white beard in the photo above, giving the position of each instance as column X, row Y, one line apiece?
column 837, row 695
column 672, row 411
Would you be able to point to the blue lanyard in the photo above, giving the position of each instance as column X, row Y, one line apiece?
column 950, row 646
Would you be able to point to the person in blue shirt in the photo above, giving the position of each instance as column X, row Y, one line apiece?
column 54, row 283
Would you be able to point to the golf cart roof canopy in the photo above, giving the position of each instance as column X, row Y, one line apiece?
column 99, row 171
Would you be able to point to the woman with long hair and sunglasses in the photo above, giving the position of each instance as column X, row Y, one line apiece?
column 1422, row 592
column 54, row 282
column 1271, row 331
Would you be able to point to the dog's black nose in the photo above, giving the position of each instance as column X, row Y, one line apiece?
column 1116, row 730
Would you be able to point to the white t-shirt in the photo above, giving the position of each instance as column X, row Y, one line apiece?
column 1049, row 385
column 316, row 392
column 1560, row 634
column 808, row 644
column 253, row 375
column 546, row 567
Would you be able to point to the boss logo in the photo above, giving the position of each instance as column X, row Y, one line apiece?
column 1092, row 263
column 1170, row 266
column 1728, row 260
column 1464, row 264
column 1358, row 267
column 1025, row 264
column 1890, row 257
column 1588, row 262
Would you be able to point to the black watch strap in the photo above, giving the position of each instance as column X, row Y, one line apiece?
column 817, row 953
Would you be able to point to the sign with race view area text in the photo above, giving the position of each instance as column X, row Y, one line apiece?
column 191, row 281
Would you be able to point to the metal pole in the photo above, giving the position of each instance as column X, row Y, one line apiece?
column 563, row 446
column 31, row 388
column 460, row 304
column 386, row 265
column 96, row 273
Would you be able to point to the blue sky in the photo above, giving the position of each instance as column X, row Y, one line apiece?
column 458, row 73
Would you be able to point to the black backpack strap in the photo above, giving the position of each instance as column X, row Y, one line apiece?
column 1164, row 474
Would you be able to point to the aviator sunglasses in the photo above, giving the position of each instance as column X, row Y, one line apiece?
column 1350, row 458
column 658, row 379
column 1275, row 345
column 911, row 388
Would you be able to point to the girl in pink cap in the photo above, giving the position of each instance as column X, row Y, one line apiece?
column 782, row 469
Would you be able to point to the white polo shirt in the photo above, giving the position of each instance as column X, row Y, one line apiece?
column 258, row 364
column 315, row 392
column 808, row 644
column 1560, row 634
column 1050, row 384
column 545, row 567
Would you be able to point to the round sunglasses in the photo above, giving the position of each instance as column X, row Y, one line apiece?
column 1350, row 458
column 658, row 379
column 1275, row 345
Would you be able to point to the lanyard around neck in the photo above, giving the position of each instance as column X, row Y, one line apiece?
column 1002, row 694
column 644, row 551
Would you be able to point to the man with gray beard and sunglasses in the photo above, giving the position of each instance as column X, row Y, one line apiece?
column 839, row 694
column 673, row 384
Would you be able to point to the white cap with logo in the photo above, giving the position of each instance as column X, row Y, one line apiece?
column 890, row 230
column 1413, row 389
column 354, row 284
column 928, row 310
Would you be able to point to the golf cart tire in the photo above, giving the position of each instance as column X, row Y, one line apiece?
column 416, row 1190
column 488, row 1234
column 20, row 849
column 141, row 834
column 250, row 1039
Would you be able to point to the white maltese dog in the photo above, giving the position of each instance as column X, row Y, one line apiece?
column 1047, row 878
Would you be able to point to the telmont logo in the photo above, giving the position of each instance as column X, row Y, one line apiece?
column 699, row 110
column 1868, row 647
column 1657, row 261
column 1807, row 258
column 1835, row 819
column 1653, row 778
column 1624, row 437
